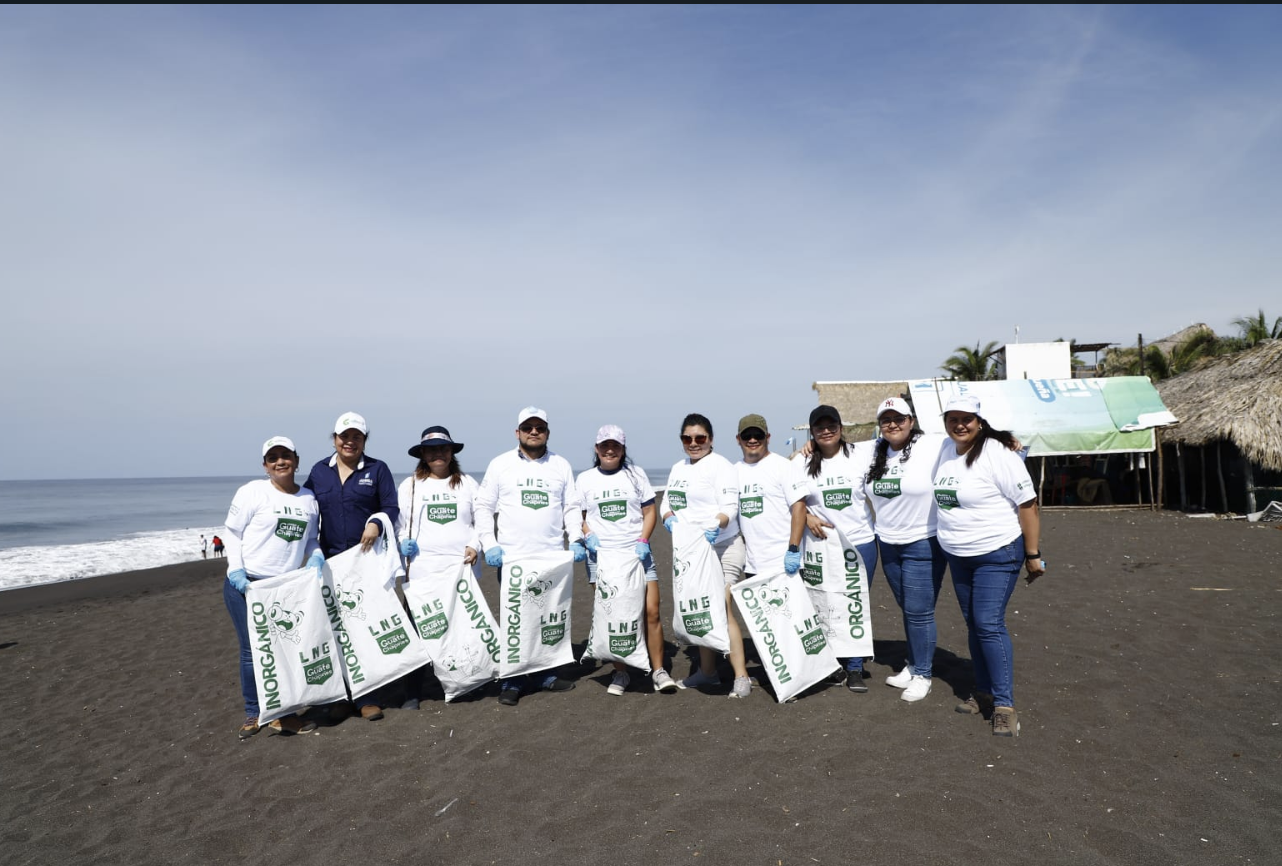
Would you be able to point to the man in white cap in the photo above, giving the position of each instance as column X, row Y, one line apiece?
column 532, row 493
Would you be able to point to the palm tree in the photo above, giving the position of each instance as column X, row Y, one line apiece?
column 972, row 365
column 1253, row 329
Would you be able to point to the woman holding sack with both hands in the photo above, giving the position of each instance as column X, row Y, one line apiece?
column 989, row 528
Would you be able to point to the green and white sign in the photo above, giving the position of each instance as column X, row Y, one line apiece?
column 614, row 510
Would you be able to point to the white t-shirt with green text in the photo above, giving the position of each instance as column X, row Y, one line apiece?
column 534, row 500
column 612, row 505
column 903, row 500
column 767, row 490
column 979, row 505
column 443, row 516
column 837, row 495
column 277, row 531
column 698, row 492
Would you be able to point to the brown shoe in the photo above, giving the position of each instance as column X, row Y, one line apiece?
column 1005, row 722
column 292, row 725
column 249, row 728
column 978, row 704
column 371, row 712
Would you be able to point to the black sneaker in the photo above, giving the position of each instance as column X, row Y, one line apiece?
column 855, row 681
column 559, row 685
column 509, row 697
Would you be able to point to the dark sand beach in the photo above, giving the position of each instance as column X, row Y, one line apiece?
column 1146, row 680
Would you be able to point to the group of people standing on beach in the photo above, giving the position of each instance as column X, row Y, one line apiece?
column 916, row 502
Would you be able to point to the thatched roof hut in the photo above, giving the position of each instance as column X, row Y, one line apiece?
column 857, row 402
column 1234, row 397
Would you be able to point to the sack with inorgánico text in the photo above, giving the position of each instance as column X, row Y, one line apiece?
column 296, row 658
column 698, row 590
column 535, row 593
column 837, row 581
column 378, row 641
column 454, row 621
column 792, row 646
column 618, row 611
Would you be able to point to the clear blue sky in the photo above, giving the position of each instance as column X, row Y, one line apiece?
column 221, row 224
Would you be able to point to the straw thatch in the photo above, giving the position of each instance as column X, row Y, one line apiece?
column 1236, row 397
column 857, row 402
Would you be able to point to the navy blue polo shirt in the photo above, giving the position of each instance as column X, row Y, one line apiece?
column 345, row 509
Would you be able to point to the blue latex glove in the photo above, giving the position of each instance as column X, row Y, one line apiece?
column 711, row 534
column 317, row 562
column 791, row 562
column 667, row 523
column 409, row 548
column 239, row 579
column 642, row 549
column 494, row 556
column 591, row 542
column 579, row 551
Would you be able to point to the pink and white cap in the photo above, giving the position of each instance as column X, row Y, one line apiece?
column 611, row 432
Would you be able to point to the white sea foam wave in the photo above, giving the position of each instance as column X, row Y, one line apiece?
column 28, row 566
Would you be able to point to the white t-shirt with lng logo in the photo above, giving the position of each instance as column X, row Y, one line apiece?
column 903, row 500
column 767, row 490
column 534, row 501
column 837, row 495
column 979, row 505
column 698, row 492
column 612, row 505
column 442, row 516
column 277, row 531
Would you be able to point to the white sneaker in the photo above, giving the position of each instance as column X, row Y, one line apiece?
column 901, row 679
column 663, row 682
column 742, row 687
column 917, row 689
column 619, row 683
column 699, row 679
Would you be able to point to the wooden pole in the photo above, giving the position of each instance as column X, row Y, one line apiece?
column 1219, row 471
column 1041, row 482
column 1201, row 455
column 1184, row 491
column 1159, row 503
column 1250, row 486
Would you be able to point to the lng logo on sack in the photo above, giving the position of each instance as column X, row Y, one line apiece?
column 320, row 667
column 811, row 632
column 945, row 498
column 676, row 500
column 812, row 570
column 446, row 512
column 351, row 602
column 887, row 488
column 750, row 506
column 837, row 499
column 623, row 638
column 614, row 510
column 432, row 624
column 390, row 634
column 534, row 499
column 552, row 627
column 696, row 615
column 283, row 624
column 290, row 530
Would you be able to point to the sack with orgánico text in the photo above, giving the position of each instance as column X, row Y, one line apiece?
column 618, row 611
column 698, row 590
column 791, row 643
column 296, row 658
column 455, row 623
column 535, row 593
column 378, row 641
column 837, row 581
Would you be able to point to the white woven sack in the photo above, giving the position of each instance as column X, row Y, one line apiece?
column 698, row 590
column 296, row 658
column 455, row 624
column 535, row 593
column 618, row 611
column 794, row 651
column 837, row 581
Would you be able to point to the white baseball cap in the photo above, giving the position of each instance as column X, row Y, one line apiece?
column 279, row 440
column 531, row 412
column 350, row 421
column 963, row 403
column 611, row 432
column 894, row 404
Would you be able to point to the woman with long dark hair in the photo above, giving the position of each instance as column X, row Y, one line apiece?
column 989, row 528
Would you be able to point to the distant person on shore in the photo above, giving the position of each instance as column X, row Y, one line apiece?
column 526, row 528
column 612, row 481
column 218, row 547
column 436, row 522
column 271, row 529
column 350, row 488
column 703, row 492
column 990, row 529
column 204, row 547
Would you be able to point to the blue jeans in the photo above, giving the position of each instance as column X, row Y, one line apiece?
column 867, row 552
column 984, row 584
column 915, row 571
column 239, row 612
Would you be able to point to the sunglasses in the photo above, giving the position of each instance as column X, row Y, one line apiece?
column 826, row 427
column 698, row 439
column 533, row 428
column 892, row 420
column 752, row 434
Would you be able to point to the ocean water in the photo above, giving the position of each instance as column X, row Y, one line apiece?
column 71, row 529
